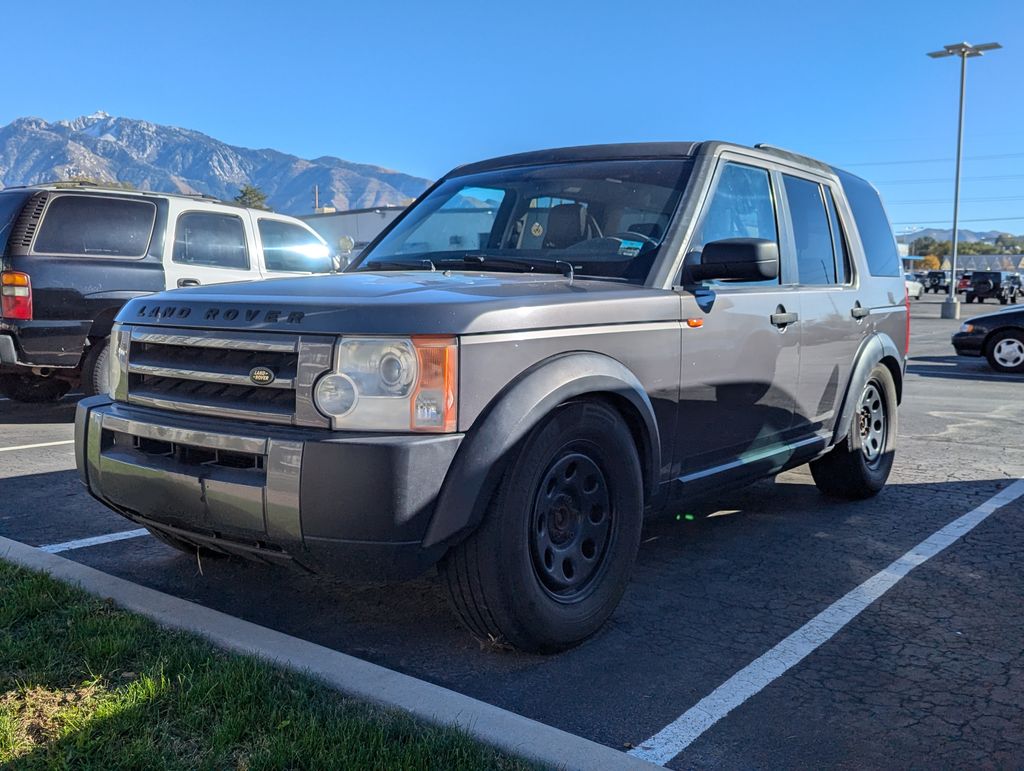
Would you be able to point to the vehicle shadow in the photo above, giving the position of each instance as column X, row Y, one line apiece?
column 19, row 413
column 957, row 368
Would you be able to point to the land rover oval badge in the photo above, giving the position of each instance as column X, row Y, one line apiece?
column 261, row 375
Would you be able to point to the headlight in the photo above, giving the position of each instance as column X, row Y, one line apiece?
column 117, row 363
column 391, row 384
column 967, row 327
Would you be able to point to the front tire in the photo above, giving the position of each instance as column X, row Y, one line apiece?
column 552, row 557
column 1005, row 352
column 33, row 389
column 858, row 467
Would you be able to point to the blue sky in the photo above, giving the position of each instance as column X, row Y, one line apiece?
column 422, row 87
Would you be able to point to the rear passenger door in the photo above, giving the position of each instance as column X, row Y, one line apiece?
column 830, row 333
column 739, row 364
column 210, row 246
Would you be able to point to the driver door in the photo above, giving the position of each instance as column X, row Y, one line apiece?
column 740, row 363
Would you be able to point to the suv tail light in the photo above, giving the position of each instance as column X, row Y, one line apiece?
column 15, row 295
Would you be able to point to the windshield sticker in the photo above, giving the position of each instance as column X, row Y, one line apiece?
column 630, row 248
column 537, row 230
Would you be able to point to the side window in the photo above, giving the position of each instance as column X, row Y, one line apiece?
column 872, row 225
column 96, row 227
column 741, row 206
column 288, row 247
column 815, row 263
column 211, row 240
column 838, row 240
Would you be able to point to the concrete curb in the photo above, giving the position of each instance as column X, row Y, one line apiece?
column 491, row 725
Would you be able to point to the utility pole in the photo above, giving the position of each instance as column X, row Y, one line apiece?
column 951, row 308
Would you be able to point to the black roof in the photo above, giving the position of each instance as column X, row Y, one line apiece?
column 632, row 150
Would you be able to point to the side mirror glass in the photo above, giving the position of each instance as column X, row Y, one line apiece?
column 737, row 259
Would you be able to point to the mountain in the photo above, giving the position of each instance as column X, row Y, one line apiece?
column 170, row 159
column 988, row 236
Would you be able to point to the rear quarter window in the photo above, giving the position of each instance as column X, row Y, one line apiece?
column 873, row 225
column 10, row 205
column 92, row 226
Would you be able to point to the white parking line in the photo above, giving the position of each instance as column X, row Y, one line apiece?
column 96, row 540
column 33, row 446
column 678, row 735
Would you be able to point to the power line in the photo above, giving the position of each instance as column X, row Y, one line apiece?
column 998, row 156
column 947, row 222
column 945, row 180
column 962, row 200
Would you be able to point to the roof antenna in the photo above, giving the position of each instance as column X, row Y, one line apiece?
column 571, row 273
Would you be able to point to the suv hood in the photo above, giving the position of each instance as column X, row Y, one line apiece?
column 406, row 302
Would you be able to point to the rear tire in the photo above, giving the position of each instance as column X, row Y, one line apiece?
column 95, row 373
column 859, row 466
column 1005, row 352
column 552, row 557
column 33, row 389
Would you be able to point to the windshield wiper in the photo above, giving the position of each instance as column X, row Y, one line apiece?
column 423, row 264
column 528, row 265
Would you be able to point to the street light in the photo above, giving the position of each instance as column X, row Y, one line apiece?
column 951, row 308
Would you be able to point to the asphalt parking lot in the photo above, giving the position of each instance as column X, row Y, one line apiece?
column 931, row 674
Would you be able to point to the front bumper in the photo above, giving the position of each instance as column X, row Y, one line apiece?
column 969, row 343
column 354, row 505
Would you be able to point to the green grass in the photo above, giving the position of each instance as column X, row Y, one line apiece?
column 84, row 684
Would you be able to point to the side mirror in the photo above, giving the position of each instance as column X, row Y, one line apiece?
column 738, row 259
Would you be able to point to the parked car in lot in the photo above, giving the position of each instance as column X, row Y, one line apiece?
column 999, row 285
column 914, row 287
column 999, row 337
column 72, row 256
column 963, row 282
column 937, row 281
column 543, row 349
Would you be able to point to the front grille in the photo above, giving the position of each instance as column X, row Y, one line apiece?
column 209, row 373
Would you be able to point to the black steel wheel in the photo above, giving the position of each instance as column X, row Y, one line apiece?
column 572, row 526
column 552, row 557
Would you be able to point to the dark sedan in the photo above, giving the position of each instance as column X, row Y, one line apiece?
column 999, row 337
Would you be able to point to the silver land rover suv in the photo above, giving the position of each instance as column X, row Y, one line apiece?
column 544, row 349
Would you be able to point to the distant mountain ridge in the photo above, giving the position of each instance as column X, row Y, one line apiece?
column 170, row 159
column 988, row 236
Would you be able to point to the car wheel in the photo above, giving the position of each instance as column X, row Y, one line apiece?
column 859, row 466
column 1002, row 301
column 33, row 389
column 1005, row 351
column 95, row 372
column 552, row 557
column 969, row 298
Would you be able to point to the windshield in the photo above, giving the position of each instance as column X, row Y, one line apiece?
column 603, row 218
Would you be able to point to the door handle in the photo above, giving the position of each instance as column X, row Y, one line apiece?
column 188, row 282
column 858, row 312
column 781, row 318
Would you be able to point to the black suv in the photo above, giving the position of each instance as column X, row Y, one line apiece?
column 936, row 281
column 72, row 255
column 1001, row 285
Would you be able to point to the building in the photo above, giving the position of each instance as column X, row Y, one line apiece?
column 350, row 231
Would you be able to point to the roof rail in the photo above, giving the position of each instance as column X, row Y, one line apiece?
column 783, row 152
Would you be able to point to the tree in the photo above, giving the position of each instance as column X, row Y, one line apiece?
column 252, row 197
column 922, row 246
column 931, row 262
